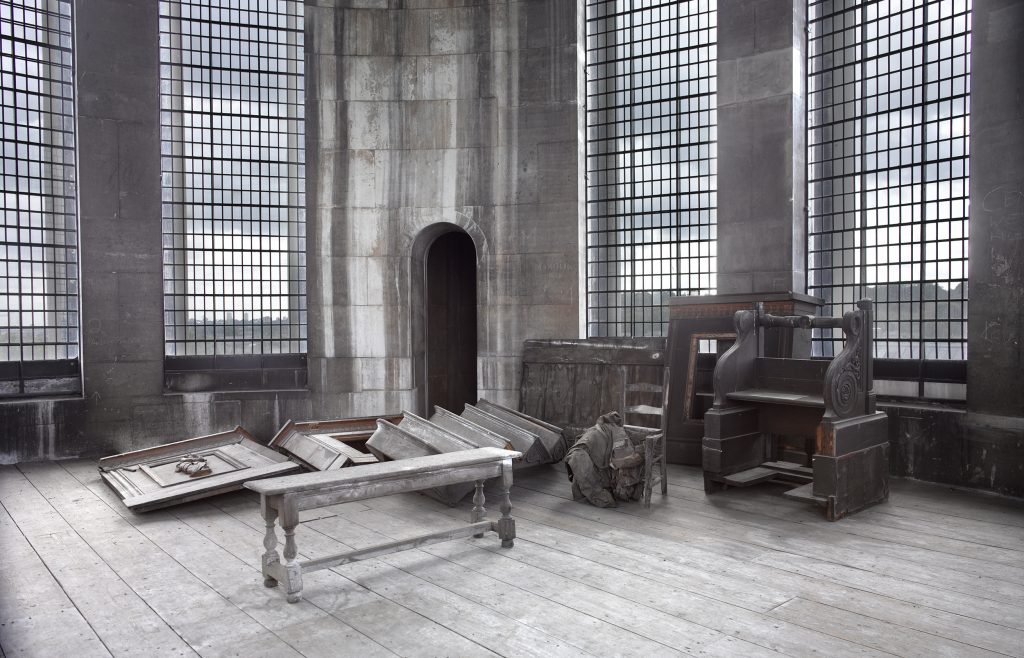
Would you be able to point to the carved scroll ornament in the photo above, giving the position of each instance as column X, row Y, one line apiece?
column 845, row 388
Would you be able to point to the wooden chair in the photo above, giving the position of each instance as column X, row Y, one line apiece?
column 636, row 403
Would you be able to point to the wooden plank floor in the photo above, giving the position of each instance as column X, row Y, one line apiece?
column 935, row 572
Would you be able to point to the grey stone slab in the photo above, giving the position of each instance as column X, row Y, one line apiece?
column 124, row 379
column 414, row 38
column 543, row 79
column 104, row 94
column 376, row 78
column 133, row 27
column 459, row 30
column 138, row 169
column 758, row 76
column 440, row 77
column 97, row 173
column 321, row 23
column 120, row 245
column 368, row 32
column 736, row 29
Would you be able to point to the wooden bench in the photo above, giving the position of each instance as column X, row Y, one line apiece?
column 828, row 402
column 282, row 498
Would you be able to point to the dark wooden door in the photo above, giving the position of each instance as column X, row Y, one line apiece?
column 451, row 322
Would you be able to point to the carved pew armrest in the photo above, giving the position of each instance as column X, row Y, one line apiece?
column 735, row 368
column 848, row 387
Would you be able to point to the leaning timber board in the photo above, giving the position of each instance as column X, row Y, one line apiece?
column 523, row 441
column 480, row 436
column 551, row 438
column 435, row 435
column 317, row 450
column 394, row 443
column 147, row 480
column 570, row 382
column 350, row 431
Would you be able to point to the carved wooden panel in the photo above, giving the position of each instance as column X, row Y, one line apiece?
column 149, row 479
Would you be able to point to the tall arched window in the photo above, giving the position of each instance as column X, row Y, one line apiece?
column 233, row 153
column 39, row 319
column 888, row 166
column 651, row 160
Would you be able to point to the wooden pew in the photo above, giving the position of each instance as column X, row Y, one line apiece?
column 831, row 402
column 284, row 497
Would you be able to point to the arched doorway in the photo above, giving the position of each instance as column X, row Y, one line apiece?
column 450, row 272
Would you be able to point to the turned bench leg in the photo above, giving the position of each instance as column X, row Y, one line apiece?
column 271, row 558
column 292, row 569
column 272, row 566
column 506, row 524
column 479, row 513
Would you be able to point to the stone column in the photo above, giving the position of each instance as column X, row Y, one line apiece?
column 117, row 62
column 996, row 277
column 761, row 146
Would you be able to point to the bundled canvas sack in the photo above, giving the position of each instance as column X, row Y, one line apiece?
column 627, row 465
column 604, row 465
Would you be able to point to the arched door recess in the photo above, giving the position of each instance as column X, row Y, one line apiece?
column 450, row 318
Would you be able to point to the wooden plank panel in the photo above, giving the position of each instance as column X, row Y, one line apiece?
column 743, row 573
column 586, row 633
column 751, row 547
column 483, row 626
column 818, row 537
column 552, row 617
column 618, row 351
column 922, row 524
column 874, row 633
column 532, row 390
column 933, row 524
column 735, row 560
column 89, row 582
column 195, row 536
column 613, row 390
column 536, row 545
column 910, row 495
column 391, row 626
column 720, row 586
column 200, row 615
column 557, row 396
column 36, row 616
column 641, row 619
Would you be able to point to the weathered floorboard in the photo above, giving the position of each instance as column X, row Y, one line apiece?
column 353, row 606
column 209, row 623
column 745, row 573
column 36, row 616
column 807, row 536
column 690, row 528
column 113, row 610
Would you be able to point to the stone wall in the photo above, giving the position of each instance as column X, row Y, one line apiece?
column 421, row 117
column 426, row 119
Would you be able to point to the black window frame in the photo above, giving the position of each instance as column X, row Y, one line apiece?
column 856, row 146
column 49, row 242
column 653, row 230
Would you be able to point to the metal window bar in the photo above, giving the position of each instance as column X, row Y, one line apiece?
column 232, row 160
column 888, row 167
column 39, row 317
column 651, row 161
